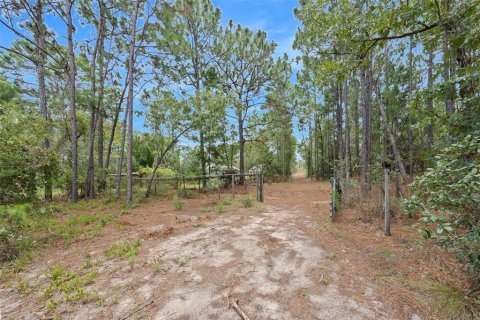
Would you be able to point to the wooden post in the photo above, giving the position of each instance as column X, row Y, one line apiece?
column 258, row 187
column 233, row 185
column 387, row 202
column 332, row 198
column 261, row 186
column 156, row 181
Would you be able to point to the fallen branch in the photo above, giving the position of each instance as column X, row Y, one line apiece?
column 236, row 307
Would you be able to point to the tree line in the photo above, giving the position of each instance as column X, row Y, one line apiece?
column 80, row 73
column 396, row 85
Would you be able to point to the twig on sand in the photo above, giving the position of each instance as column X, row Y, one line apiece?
column 136, row 310
column 236, row 307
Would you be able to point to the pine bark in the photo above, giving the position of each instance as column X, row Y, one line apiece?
column 42, row 98
column 71, row 96
column 131, row 70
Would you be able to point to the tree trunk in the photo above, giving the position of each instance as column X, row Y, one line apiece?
column 131, row 69
column 118, row 180
column 101, row 111
column 390, row 135
column 241, row 147
column 410, row 94
column 449, row 87
column 310, row 149
column 365, row 131
column 42, row 98
column 114, row 126
column 346, row 191
column 357, row 135
column 71, row 95
column 90, row 178
column 430, row 98
column 339, row 118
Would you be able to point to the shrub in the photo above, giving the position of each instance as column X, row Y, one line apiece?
column 178, row 204
column 212, row 185
column 247, row 202
column 447, row 197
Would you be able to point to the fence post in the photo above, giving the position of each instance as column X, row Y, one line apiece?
column 258, row 186
column 233, row 185
column 387, row 202
column 261, row 186
column 332, row 198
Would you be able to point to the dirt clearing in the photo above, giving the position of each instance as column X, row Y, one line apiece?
column 279, row 260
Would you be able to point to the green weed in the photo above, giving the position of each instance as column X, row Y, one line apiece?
column 247, row 202
column 182, row 261
column 126, row 250
column 177, row 204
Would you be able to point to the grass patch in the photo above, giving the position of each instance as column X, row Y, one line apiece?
column 67, row 286
column 385, row 254
column 127, row 250
column 207, row 209
column 247, row 202
column 182, row 261
column 177, row 204
column 452, row 301
column 226, row 201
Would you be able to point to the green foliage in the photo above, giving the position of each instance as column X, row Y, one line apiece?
column 185, row 193
column 182, row 261
column 447, row 198
column 213, row 185
column 24, row 162
column 14, row 238
column 68, row 286
column 127, row 250
column 177, row 204
column 247, row 202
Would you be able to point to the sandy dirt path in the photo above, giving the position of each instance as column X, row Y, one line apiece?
column 270, row 259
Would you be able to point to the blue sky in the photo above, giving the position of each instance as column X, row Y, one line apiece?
column 273, row 16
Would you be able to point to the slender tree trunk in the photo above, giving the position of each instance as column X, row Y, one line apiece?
column 42, row 98
column 131, row 69
column 310, row 149
column 118, row 180
column 114, row 126
column 346, row 191
column 339, row 122
column 90, row 178
column 430, row 97
column 357, row 135
column 365, row 131
column 316, row 157
column 391, row 138
column 449, row 88
column 101, row 111
column 71, row 95
column 410, row 94
column 241, row 146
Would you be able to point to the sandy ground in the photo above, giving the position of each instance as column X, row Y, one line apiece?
column 192, row 265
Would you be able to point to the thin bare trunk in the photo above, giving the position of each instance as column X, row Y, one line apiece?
column 410, row 95
column 391, row 137
column 118, row 180
column 365, row 130
column 430, row 98
column 90, row 178
column 114, row 126
column 71, row 95
column 131, row 69
column 346, row 191
column 42, row 98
